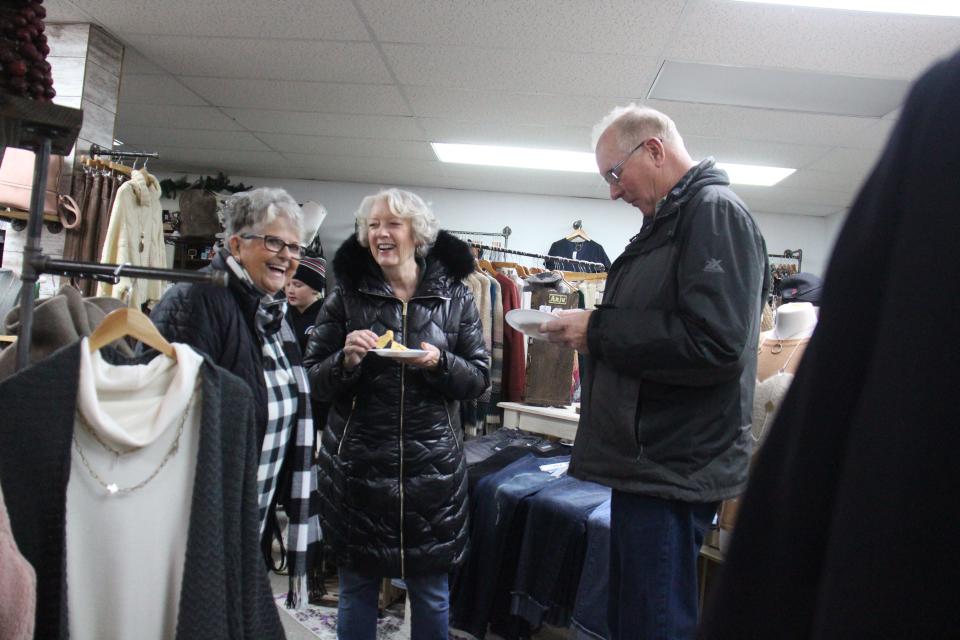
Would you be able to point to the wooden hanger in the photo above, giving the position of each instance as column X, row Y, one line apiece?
column 578, row 232
column 130, row 322
column 121, row 168
column 580, row 276
column 486, row 265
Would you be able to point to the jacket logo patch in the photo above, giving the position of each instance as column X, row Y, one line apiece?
column 713, row 266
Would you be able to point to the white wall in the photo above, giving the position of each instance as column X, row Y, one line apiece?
column 834, row 223
column 536, row 221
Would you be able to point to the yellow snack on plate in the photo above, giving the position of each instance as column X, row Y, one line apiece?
column 396, row 346
column 385, row 339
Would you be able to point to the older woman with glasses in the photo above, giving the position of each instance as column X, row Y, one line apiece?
column 242, row 329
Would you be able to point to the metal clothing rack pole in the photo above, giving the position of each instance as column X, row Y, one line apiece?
column 37, row 136
column 97, row 150
column 505, row 234
column 596, row 266
column 113, row 272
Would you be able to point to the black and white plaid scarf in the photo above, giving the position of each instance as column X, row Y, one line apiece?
column 289, row 418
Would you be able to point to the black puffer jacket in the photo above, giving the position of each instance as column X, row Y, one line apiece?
column 393, row 478
column 220, row 322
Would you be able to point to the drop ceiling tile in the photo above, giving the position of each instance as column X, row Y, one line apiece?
column 610, row 26
column 328, row 97
column 218, row 157
column 754, row 152
column 853, row 42
column 759, row 124
column 135, row 63
column 275, row 59
column 817, row 197
column 510, row 108
column 521, row 70
column 360, row 147
column 392, row 177
column 355, row 165
column 759, row 204
column 874, row 136
column 138, row 89
column 855, row 163
column 63, row 11
column 330, row 19
column 783, row 89
column 176, row 117
column 820, row 180
column 282, row 172
column 149, row 137
column 328, row 124
column 551, row 137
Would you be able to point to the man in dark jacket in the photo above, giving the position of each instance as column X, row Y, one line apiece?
column 668, row 383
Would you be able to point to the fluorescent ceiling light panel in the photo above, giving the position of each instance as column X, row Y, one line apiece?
column 915, row 7
column 580, row 161
column 516, row 157
column 753, row 174
column 782, row 89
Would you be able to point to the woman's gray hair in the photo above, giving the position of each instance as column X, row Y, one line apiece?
column 635, row 123
column 403, row 204
column 253, row 210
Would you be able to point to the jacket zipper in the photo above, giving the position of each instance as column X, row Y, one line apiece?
column 403, row 371
column 346, row 427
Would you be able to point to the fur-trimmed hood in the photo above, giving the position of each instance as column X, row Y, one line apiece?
column 449, row 260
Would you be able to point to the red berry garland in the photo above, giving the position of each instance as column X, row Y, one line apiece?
column 24, row 70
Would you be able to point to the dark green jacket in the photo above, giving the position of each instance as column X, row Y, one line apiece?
column 668, row 386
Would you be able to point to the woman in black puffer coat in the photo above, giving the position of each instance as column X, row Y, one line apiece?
column 393, row 481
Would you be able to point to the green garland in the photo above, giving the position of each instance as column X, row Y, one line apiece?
column 170, row 188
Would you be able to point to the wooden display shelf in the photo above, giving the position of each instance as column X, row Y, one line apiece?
column 27, row 122
column 20, row 218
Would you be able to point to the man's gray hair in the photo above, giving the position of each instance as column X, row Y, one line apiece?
column 253, row 210
column 635, row 123
column 404, row 204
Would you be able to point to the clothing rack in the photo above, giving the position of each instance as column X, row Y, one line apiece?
column 505, row 234
column 97, row 150
column 790, row 254
column 43, row 128
column 595, row 267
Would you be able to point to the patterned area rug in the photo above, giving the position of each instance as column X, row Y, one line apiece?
column 322, row 621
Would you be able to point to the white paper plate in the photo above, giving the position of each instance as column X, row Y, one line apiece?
column 409, row 354
column 528, row 321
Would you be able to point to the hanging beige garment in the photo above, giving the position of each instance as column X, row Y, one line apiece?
column 135, row 236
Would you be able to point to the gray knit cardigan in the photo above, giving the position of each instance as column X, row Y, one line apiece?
column 225, row 591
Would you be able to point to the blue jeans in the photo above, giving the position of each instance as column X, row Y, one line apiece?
column 497, row 508
column 654, row 544
column 593, row 593
column 357, row 610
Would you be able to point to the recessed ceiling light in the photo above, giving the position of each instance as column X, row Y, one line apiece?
column 580, row 161
column 517, row 157
column 754, row 174
column 916, row 7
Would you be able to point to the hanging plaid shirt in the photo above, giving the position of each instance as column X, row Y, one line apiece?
column 288, row 418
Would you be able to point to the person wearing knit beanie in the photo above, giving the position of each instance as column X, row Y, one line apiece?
column 305, row 297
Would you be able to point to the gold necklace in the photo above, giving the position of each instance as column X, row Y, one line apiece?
column 112, row 488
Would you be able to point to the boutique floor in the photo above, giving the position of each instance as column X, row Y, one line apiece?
column 393, row 629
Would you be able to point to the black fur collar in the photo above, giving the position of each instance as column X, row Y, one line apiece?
column 449, row 256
